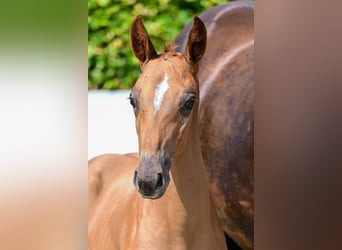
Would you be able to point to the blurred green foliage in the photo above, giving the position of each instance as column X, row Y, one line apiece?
column 111, row 64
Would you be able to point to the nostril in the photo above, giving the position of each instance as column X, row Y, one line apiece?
column 159, row 180
column 135, row 179
column 140, row 184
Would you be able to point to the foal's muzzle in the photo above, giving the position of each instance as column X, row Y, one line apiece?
column 151, row 177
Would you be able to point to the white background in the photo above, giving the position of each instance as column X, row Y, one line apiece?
column 111, row 123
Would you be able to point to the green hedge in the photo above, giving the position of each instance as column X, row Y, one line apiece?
column 111, row 64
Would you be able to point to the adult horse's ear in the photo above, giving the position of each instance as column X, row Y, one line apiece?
column 140, row 42
column 197, row 41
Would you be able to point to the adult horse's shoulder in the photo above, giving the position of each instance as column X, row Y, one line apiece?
column 224, row 22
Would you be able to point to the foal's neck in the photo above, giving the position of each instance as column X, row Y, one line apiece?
column 189, row 174
column 189, row 186
column 186, row 210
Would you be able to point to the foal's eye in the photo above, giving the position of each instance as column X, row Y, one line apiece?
column 132, row 101
column 189, row 103
column 187, row 106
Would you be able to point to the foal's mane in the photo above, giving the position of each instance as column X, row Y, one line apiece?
column 171, row 48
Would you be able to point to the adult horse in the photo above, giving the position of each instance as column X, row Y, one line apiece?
column 174, row 209
column 226, row 77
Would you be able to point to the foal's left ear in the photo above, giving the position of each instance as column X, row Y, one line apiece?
column 197, row 41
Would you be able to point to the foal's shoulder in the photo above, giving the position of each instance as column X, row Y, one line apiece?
column 104, row 169
column 111, row 161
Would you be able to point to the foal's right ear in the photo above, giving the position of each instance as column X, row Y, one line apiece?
column 140, row 42
column 197, row 41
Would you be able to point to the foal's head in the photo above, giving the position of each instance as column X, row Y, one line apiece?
column 165, row 101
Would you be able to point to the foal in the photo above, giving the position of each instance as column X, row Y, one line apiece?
column 172, row 208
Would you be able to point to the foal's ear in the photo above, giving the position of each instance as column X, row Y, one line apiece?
column 140, row 41
column 197, row 41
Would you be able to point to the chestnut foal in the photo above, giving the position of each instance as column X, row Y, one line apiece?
column 172, row 208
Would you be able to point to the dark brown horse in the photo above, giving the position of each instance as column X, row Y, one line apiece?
column 226, row 77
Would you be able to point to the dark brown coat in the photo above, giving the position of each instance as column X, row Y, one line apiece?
column 226, row 77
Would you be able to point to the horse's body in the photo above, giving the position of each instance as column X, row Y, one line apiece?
column 119, row 218
column 226, row 77
column 170, row 206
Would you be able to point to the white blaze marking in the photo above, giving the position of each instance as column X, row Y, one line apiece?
column 160, row 92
